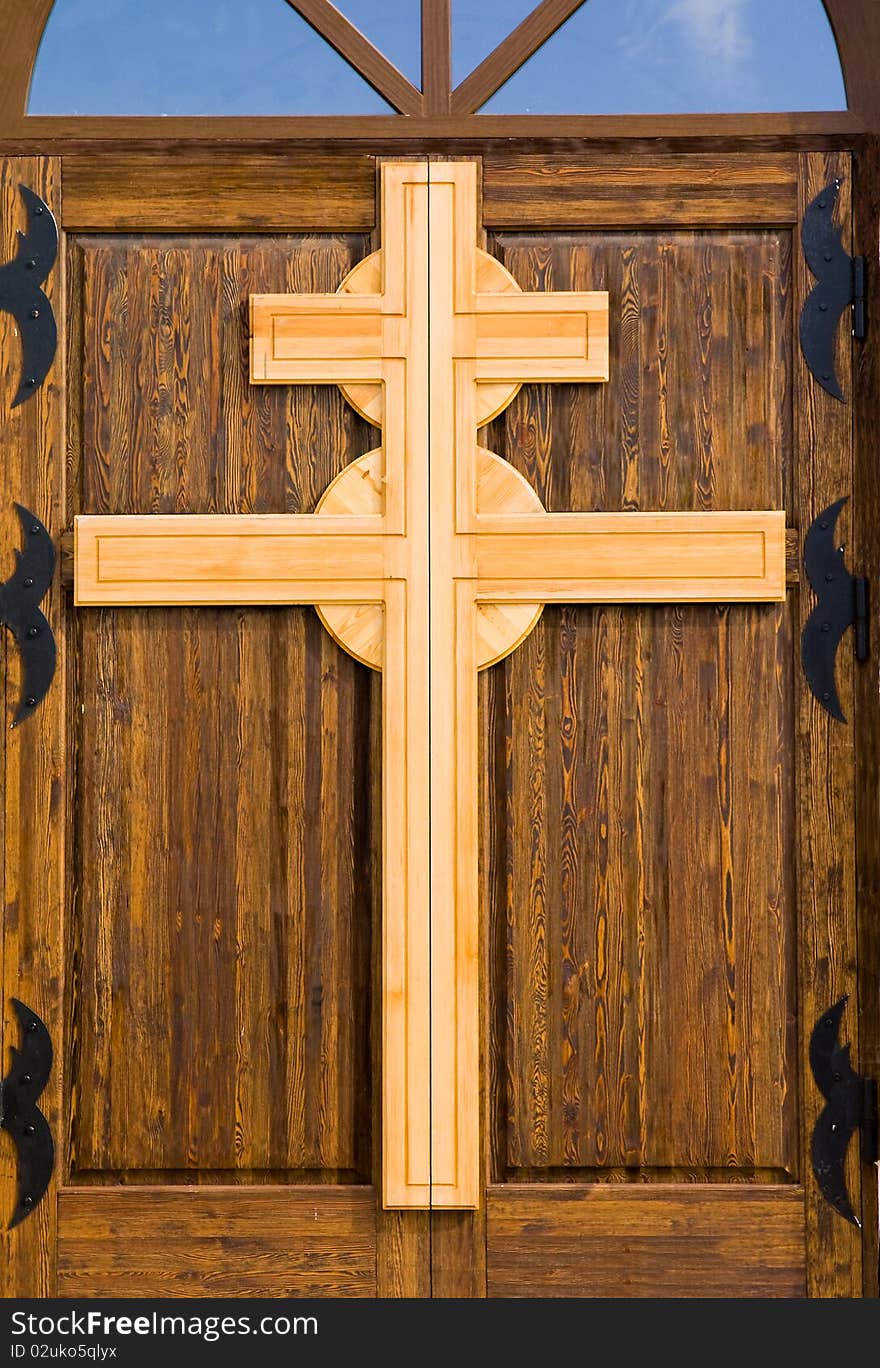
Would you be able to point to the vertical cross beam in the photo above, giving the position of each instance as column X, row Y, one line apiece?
column 355, row 340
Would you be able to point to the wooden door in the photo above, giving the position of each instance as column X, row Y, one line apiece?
column 667, row 813
column 206, row 953
column 192, row 868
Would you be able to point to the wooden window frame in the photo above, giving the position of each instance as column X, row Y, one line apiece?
column 438, row 114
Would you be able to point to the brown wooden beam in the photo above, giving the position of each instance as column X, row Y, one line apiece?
column 437, row 56
column 351, row 44
column 509, row 56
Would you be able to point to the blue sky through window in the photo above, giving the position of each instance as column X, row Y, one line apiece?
column 681, row 57
column 191, row 57
column 394, row 27
column 212, row 57
column 478, row 26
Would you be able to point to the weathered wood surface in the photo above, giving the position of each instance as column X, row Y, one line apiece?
column 32, row 817
column 825, row 766
column 201, row 190
column 646, row 841
column 222, row 929
column 605, row 190
column 865, row 556
column 221, row 1242
column 696, row 1240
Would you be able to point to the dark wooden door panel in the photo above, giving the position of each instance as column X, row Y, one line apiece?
column 223, row 921
column 697, row 413
column 193, row 1242
column 604, row 190
column 611, row 1241
column 647, row 986
column 645, row 961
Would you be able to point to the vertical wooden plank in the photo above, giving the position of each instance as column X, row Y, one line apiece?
column 866, row 561
column 436, row 56
column 647, row 765
column 403, row 1238
column 825, row 764
column 31, row 967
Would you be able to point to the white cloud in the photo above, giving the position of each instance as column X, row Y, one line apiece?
column 716, row 28
column 704, row 44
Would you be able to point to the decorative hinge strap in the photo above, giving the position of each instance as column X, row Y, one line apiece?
column 22, row 1118
column 842, row 601
column 850, row 1105
column 840, row 284
column 21, row 295
column 19, row 611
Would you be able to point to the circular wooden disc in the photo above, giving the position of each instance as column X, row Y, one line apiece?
column 358, row 628
column 366, row 278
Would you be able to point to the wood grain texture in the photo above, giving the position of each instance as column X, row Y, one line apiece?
column 857, row 33
column 226, row 558
column 209, row 192
column 223, row 786
column 32, row 821
column 22, row 29
column 226, row 1242
column 866, row 555
column 604, row 1241
column 436, row 56
column 568, row 558
column 644, row 884
column 826, row 768
column 415, row 135
column 702, row 189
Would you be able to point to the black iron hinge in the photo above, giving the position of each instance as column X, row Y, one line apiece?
column 841, row 602
column 20, row 598
column 22, row 296
column 21, row 1117
column 850, row 1106
column 840, row 284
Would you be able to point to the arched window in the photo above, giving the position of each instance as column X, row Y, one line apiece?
column 191, row 57
column 681, row 57
column 361, row 57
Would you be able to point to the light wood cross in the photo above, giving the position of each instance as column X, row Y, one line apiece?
column 429, row 559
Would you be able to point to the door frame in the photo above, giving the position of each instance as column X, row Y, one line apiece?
column 80, row 163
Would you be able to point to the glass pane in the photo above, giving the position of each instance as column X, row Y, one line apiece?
column 191, row 57
column 681, row 57
column 392, row 26
column 478, row 26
